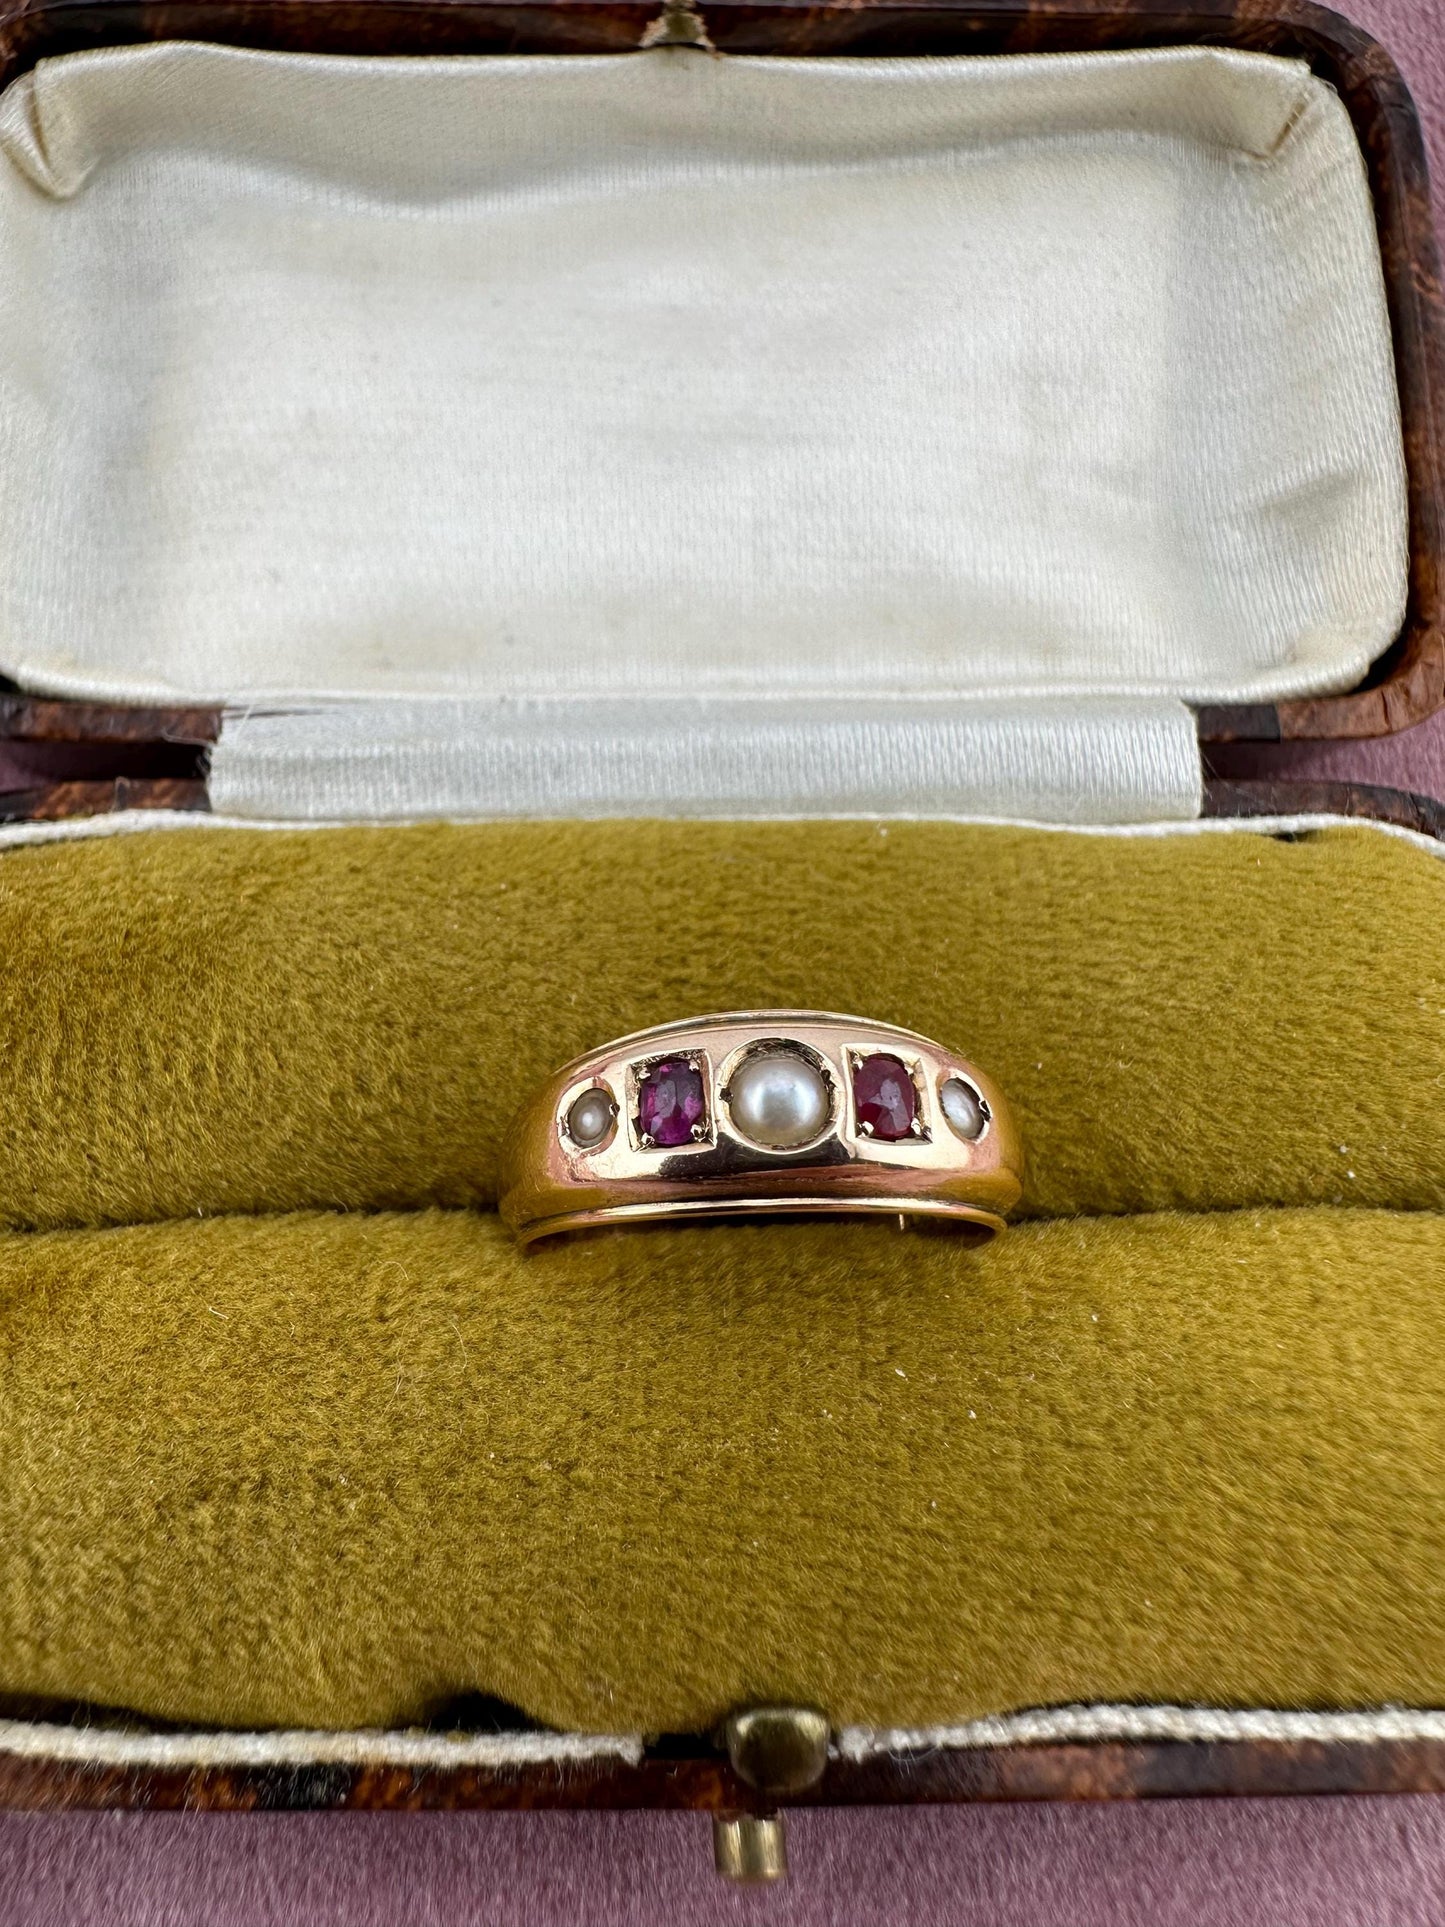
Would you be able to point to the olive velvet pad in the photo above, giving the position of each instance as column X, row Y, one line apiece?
column 338, row 1469
column 212, row 1020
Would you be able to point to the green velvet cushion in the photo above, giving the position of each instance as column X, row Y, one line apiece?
column 1180, row 1436
column 338, row 1469
column 212, row 1021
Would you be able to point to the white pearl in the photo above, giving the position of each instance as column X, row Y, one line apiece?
column 962, row 1108
column 590, row 1118
column 778, row 1099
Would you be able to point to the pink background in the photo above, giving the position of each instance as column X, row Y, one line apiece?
column 1250, row 1863
column 1275, row 1863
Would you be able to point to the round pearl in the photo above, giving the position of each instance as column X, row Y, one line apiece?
column 590, row 1118
column 778, row 1099
column 962, row 1108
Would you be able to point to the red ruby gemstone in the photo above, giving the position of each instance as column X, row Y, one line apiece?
column 669, row 1103
column 884, row 1097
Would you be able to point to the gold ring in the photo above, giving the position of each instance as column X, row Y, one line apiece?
column 762, row 1111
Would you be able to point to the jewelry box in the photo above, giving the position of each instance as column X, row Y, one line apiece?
column 804, row 496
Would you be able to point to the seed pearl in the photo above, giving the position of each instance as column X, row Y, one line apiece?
column 590, row 1118
column 778, row 1099
column 962, row 1108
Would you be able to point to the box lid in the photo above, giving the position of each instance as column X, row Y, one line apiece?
column 547, row 385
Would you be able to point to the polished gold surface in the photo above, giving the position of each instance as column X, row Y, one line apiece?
column 750, row 1847
column 558, row 1178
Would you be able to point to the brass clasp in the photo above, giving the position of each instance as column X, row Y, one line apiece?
column 779, row 1751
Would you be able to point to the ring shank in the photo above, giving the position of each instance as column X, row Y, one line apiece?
column 985, row 1225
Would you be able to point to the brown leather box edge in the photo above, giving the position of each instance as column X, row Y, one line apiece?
column 702, row 1780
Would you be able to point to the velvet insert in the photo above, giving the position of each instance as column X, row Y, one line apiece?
column 340, row 1469
column 226, row 1021
column 286, row 1443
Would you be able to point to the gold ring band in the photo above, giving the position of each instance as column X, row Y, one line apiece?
column 762, row 1111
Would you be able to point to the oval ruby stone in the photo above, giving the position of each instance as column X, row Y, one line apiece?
column 669, row 1102
column 884, row 1097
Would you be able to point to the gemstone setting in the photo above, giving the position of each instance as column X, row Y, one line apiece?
column 885, row 1097
column 965, row 1110
column 671, row 1103
column 590, row 1117
column 779, row 1098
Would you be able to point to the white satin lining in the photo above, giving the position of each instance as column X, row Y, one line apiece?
column 662, row 377
column 1097, row 761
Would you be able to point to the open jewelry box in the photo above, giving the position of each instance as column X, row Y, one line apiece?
column 875, row 413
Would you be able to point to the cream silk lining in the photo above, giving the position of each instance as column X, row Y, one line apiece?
column 1084, row 761
column 544, row 385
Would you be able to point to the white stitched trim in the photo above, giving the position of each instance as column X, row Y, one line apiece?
column 106, row 1746
column 119, row 823
column 1083, row 1723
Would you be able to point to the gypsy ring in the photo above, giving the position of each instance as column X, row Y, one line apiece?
column 771, row 1111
